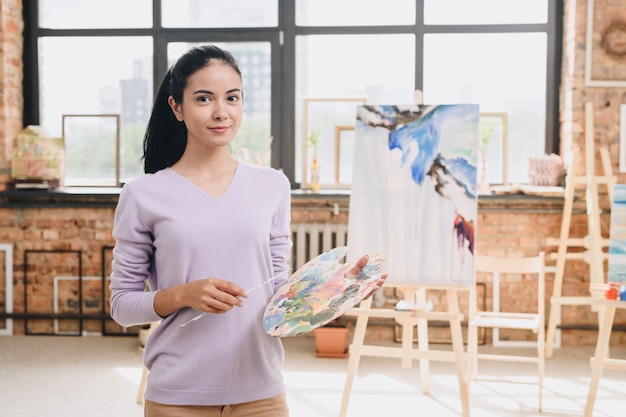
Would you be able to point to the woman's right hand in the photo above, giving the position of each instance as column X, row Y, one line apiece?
column 210, row 295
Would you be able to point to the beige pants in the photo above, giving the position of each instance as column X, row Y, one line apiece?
column 271, row 407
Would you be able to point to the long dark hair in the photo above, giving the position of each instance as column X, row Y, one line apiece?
column 166, row 138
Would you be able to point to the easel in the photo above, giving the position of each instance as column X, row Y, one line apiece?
column 593, row 242
column 601, row 359
column 414, row 294
column 408, row 320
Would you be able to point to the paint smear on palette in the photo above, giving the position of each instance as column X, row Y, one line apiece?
column 318, row 292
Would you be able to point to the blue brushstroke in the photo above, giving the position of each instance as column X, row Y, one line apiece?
column 427, row 138
column 463, row 172
column 614, row 249
column 425, row 131
column 426, row 134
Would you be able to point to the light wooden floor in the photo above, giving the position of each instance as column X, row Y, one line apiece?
column 98, row 376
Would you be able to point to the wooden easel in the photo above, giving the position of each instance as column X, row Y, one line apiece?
column 408, row 320
column 406, row 353
column 601, row 359
column 593, row 242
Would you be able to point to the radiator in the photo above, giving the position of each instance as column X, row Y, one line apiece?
column 311, row 239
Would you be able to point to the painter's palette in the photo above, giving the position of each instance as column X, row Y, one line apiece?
column 318, row 292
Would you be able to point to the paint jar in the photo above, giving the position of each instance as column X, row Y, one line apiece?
column 611, row 293
column 622, row 293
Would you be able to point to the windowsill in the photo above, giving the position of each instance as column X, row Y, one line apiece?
column 107, row 197
column 63, row 197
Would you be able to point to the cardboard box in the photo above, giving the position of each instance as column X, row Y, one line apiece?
column 38, row 157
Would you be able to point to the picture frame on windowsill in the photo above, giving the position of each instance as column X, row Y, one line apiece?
column 323, row 115
column 97, row 136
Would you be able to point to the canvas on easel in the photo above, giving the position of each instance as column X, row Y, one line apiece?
column 617, row 242
column 414, row 191
column 414, row 200
column 607, row 307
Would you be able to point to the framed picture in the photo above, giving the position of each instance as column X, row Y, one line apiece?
column 41, row 267
column 321, row 116
column 605, row 45
column 493, row 148
column 344, row 151
column 92, row 149
column 622, row 138
column 64, row 290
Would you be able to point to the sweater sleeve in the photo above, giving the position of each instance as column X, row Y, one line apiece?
column 132, row 265
column 280, row 235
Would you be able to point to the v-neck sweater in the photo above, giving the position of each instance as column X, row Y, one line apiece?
column 168, row 232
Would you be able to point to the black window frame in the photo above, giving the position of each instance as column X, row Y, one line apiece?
column 283, row 40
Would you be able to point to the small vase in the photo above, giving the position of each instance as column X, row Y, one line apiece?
column 483, row 179
column 315, row 175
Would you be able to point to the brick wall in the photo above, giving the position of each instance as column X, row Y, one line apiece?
column 11, row 98
column 61, row 242
column 501, row 229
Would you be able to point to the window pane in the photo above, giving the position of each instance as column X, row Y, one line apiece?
column 110, row 75
column 252, row 143
column 354, row 12
column 95, row 14
column 473, row 12
column 501, row 73
column 80, row 135
column 344, row 66
column 219, row 13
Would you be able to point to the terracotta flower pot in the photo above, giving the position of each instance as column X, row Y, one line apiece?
column 331, row 342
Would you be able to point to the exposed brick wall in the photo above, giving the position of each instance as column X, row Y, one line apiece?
column 606, row 102
column 515, row 229
column 502, row 230
column 56, row 229
column 574, row 93
column 11, row 74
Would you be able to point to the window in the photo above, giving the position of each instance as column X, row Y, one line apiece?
column 78, row 14
column 344, row 67
column 506, row 73
column 111, row 75
column 95, row 60
column 219, row 13
column 494, row 71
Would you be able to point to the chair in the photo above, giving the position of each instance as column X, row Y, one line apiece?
column 498, row 319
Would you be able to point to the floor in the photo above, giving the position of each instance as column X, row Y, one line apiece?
column 50, row 376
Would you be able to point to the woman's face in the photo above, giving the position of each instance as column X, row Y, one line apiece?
column 212, row 105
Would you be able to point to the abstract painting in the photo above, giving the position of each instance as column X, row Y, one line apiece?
column 413, row 195
column 617, row 240
column 319, row 292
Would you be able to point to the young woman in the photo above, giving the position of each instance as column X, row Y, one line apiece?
column 201, row 228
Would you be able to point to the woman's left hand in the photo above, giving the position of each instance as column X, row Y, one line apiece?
column 358, row 267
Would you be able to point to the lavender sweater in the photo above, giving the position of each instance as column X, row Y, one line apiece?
column 168, row 231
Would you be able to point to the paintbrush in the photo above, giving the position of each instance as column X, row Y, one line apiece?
column 267, row 281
